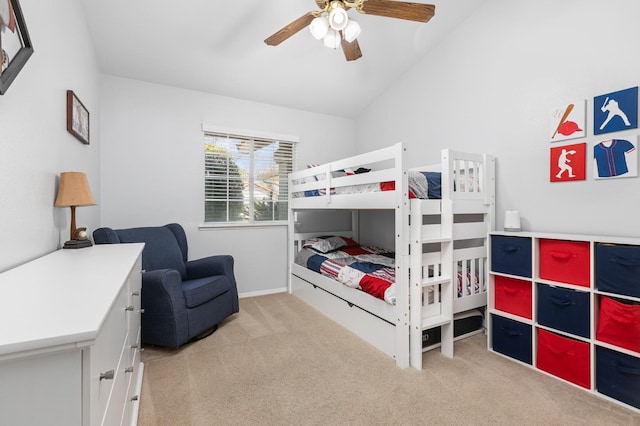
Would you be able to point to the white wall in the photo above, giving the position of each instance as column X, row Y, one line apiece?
column 34, row 143
column 491, row 87
column 152, row 167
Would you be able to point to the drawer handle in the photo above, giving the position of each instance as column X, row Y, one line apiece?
column 128, row 370
column 627, row 370
column 107, row 375
column 132, row 308
column 511, row 332
column 621, row 319
column 134, row 398
column 510, row 249
column 561, row 255
column 135, row 293
column 561, row 302
column 624, row 261
column 559, row 353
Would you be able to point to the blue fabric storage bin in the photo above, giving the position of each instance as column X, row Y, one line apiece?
column 618, row 376
column 618, row 269
column 511, row 338
column 564, row 309
column 511, row 255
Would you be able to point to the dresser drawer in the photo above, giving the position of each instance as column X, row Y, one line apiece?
column 618, row 269
column 511, row 338
column 565, row 261
column 511, row 255
column 563, row 357
column 513, row 296
column 618, row 376
column 116, row 404
column 105, row 357
column 134, row 286
column 564, row 309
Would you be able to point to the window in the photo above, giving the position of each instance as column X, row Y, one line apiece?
column 246, row 177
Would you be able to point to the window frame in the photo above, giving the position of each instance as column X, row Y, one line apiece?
column 245, row 134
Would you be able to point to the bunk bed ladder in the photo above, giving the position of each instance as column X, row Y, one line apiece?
column 431, row 280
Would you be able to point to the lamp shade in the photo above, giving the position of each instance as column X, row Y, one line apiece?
column 319, row 27
column 332, row 39
column 74, row 190
column 351, row 31
column 338, row 18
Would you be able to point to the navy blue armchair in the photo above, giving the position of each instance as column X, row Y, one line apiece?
column 182, row 299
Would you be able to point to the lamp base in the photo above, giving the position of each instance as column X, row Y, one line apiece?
column 76, row 244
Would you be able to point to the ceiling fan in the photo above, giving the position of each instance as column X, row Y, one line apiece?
column 332, row 24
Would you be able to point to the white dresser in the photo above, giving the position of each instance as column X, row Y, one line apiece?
column 70, row 337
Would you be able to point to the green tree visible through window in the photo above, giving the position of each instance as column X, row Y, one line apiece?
column 246, row 178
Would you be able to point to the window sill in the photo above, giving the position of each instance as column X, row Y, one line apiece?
column 230, row 225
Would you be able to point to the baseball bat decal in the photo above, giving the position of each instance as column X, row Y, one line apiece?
column 563, row 119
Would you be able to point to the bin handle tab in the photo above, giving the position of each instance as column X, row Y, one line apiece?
column 561, row 255
column 627, row 370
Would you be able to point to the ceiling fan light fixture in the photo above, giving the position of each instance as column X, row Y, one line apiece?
column 319, row 27
column 352, row 31
column 338, row 18
column 332, row 39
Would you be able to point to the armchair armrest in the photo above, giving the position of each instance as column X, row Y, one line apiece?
column 212, row 265
column 162, row 292
column 215, row 265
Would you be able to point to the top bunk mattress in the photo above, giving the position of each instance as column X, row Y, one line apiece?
column 422, row 185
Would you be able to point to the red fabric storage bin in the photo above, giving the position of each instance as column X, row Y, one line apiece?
column 512, row 296
column 564, row 357
column 619, row 324
column 565, row 261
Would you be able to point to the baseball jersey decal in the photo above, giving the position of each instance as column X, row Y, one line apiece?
column 611, row 157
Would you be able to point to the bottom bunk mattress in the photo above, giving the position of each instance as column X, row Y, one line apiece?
column 367, row 268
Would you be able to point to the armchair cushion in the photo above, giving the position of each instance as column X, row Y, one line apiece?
column 201, row 290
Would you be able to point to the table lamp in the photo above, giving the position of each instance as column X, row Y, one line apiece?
column 74, row 191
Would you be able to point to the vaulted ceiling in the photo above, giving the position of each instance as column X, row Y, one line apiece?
column 218, row 47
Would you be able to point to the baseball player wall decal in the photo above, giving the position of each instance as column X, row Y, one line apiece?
column 567, row 163
column 615, row 111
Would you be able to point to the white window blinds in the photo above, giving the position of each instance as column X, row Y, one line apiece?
column 246, row 178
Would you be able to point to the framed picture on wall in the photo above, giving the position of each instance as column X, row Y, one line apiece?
column 15, row 44
column 568, row 162
column 615, row 158
column 615, row 111
column 77, row 118
column 568, row 121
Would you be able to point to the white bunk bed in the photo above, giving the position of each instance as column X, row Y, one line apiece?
column 444, row 239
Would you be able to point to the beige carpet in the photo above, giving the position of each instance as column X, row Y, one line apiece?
column 280, row 362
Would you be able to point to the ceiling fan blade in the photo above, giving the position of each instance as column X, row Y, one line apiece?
column 351, row 50
column 290, row 29
column 410, row 11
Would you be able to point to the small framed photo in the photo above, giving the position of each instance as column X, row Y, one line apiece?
column 77, row 118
